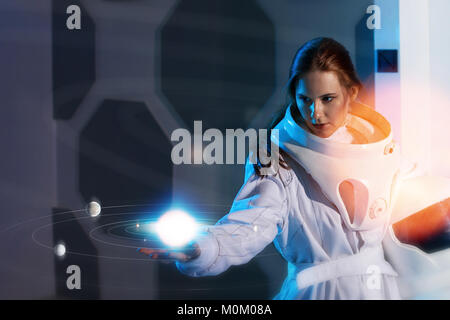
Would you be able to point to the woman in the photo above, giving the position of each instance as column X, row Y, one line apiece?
column 332, row 241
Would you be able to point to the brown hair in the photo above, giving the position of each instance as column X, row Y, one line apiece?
column 323, row 54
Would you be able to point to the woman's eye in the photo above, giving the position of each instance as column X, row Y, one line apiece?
column 328, row 99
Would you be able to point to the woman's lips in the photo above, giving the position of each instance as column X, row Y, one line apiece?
column 320, row 126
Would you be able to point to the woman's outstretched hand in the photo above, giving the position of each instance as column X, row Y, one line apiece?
column 184, row 254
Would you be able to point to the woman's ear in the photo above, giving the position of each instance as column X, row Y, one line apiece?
column 354, row 90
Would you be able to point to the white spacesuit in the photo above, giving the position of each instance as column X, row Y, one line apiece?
column 338, row 242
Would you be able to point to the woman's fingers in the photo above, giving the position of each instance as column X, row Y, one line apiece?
column 154, row 253
column 149, row 251
column 162, row 254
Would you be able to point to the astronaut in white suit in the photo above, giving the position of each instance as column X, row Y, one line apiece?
column 327, row 258
column 330, row 208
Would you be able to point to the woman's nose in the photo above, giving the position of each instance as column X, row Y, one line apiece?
column 315, row 112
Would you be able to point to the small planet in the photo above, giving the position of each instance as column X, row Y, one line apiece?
column 94, row 208
column 60, row 250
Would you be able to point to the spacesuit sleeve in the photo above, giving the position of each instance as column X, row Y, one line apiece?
column 256, row 217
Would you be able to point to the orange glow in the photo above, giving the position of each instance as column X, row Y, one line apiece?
column 424, row 224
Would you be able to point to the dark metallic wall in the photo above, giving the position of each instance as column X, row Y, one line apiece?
column 97, row 106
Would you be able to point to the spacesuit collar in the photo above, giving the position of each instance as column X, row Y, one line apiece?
column 380, row 134
column 370, row 168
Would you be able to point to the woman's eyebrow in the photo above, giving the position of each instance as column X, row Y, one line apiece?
column 328, row 94
column 324, row 95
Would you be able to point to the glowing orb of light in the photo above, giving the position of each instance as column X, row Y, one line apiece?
column 176, row 228
column 94, row 208
column 60, row 249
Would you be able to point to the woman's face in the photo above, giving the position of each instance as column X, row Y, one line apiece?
column 322, row 101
